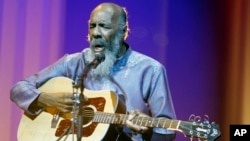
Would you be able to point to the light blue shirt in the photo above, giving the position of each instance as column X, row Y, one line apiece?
column 139, row 78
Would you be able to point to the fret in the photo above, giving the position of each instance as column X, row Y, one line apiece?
column 113, row 118
column 124, row 119
column 157, row 122
column 152, row 122
column 174, row 124
column 147, row 120
column 164, row 125
column 104, row 118
column 170, row 124
column 108, row 119
column 99, row 118
column 117, row 119
column 142, row 121
column 136, row 121
column 179, row 122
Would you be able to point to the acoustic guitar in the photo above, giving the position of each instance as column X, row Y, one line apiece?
column 102, row 110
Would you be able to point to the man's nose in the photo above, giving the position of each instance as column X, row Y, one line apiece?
column 96, row 32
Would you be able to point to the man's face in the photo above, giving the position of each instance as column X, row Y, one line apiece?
column 103, row 27
column 104, row 36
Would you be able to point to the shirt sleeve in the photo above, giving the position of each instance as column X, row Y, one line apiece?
column 26, row 91
column 160, row 100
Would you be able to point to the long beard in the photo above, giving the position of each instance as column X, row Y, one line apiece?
column 111, row 50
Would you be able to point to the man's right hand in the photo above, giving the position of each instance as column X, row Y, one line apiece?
column 61, row 101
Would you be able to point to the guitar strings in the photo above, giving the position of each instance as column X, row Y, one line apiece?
column 160, row 122
column 142, row 120
column 71, row 128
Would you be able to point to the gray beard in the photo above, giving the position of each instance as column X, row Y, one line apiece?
column 110, row 52
column 103, row 69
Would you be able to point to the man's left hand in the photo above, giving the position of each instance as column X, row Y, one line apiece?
column 134, row 127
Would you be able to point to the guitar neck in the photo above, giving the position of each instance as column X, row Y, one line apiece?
column 111, row 118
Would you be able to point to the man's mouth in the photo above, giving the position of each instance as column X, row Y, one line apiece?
column 98, row 48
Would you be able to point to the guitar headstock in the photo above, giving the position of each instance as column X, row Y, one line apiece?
column 202, row 130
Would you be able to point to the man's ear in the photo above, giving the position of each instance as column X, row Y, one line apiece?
column 124, row 29
column 125, row 32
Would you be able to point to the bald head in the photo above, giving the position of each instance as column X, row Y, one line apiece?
column 109, row 7
column 116, row 13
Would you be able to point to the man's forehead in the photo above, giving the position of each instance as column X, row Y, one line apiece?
column 106, row 13
column 108, row 7
column 101, row 16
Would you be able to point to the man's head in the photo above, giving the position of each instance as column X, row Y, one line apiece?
column 108, row 28
column 111, row 14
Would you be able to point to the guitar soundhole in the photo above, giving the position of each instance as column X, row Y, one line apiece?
column 88, row 113
column 95, row 104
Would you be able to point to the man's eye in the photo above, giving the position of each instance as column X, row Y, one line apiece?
column 105, row 26
column 91, row 26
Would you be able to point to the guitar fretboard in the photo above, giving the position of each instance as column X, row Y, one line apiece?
column 142, row 121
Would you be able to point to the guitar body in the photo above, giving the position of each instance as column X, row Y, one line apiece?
column 39, row 128
column 101, row 114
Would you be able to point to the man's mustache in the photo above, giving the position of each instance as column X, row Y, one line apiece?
column 98, row 42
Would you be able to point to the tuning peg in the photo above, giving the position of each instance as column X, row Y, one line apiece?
column 206, row 119
column 191, row 117
column 197, row 119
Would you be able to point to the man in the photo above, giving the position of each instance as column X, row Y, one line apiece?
column 139, row 79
